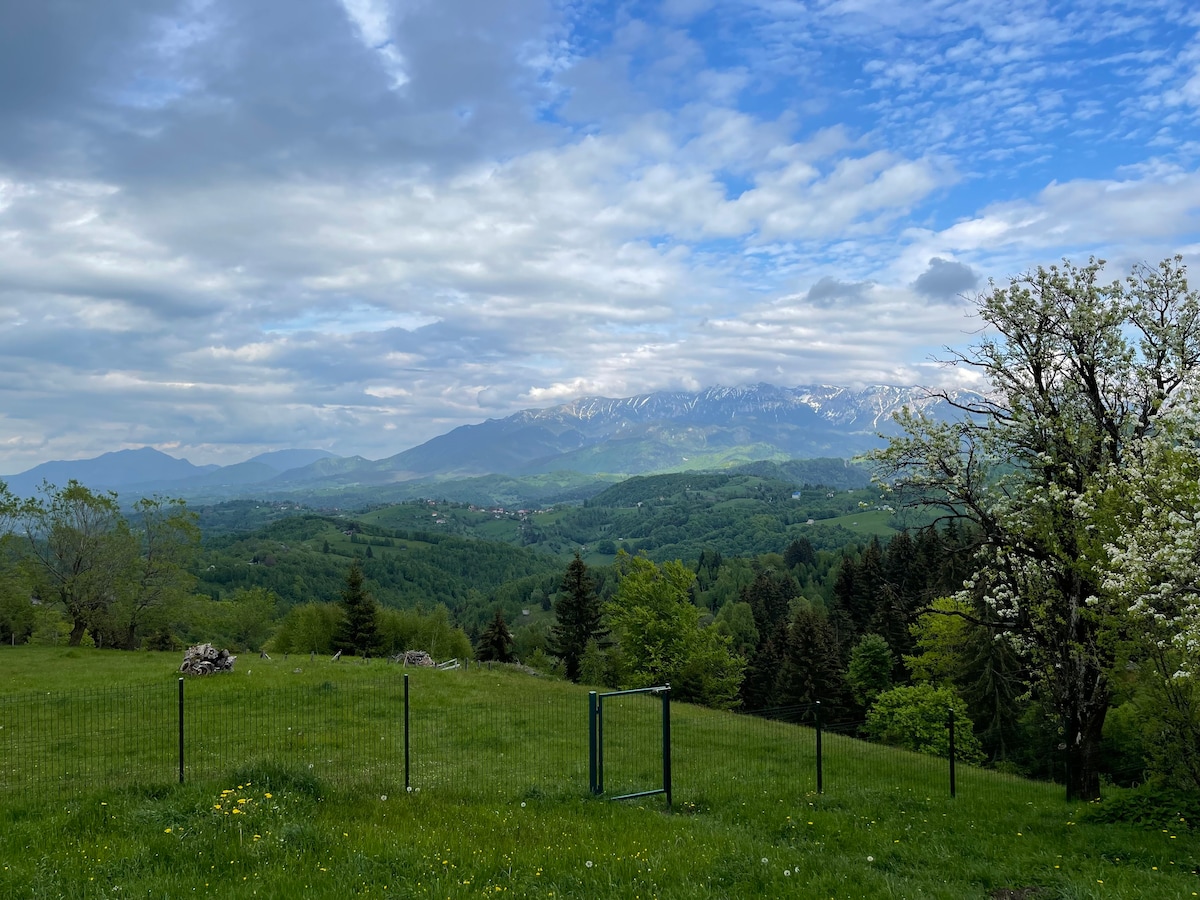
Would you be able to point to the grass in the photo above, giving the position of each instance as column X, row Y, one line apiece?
column 500, row 803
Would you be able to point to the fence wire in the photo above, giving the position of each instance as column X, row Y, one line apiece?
column 506, row 740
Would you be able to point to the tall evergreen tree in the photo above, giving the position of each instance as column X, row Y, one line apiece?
column 900, row 600
column 799, row 552
column 357, row 633
column 496, row 641
column 758, row 685
column 810, row 669
column 769, row 599
column 579, row 613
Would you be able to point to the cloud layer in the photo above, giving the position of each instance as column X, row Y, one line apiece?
column 228, row 228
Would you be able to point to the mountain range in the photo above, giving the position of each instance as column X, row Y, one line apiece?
column 595, row 436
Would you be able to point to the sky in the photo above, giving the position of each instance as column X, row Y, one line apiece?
column 228, row 227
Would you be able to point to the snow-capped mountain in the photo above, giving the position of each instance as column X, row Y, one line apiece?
column 670, row 430
column 656, row 432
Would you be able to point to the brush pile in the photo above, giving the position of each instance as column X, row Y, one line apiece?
column 205, row 659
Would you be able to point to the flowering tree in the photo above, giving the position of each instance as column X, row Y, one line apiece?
column 1078, row 373
column 1156, row 563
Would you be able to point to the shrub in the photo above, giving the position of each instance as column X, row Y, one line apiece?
column 915, row 717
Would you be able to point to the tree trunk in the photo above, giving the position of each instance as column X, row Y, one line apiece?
column 78, row 627
column 1084, row 731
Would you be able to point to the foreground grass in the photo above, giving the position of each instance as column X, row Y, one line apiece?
column 744, row 824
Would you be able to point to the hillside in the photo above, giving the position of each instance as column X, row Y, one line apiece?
column 499, row 802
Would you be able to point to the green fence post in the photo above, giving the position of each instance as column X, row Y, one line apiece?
column 820, row 760
column 593, row 755
column 950, row 725
column 666, row 726
column 181, row 730
column 407, row 782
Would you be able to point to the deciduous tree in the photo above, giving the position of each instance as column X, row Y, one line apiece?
column 1076, row 373
column 662, row 639
column 79, row 552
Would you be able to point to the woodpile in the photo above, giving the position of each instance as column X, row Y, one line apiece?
column 205, row 659
column 414, row 658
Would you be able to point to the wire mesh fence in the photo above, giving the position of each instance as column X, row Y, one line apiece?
column 454, row 737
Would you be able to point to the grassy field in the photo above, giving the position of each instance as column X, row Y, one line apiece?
column 499, row 802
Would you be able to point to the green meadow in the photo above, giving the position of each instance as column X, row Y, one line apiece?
column 295, row 787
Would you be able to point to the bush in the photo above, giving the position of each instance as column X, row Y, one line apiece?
column 914, row 717
column 1151, row 805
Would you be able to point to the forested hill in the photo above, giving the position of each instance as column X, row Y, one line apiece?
column 467, row 557
column 304, row 559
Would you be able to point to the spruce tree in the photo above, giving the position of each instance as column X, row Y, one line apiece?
column 578, row 613
column 810, row 666
column 357, row 633
column 496, row 641
column 769, row 599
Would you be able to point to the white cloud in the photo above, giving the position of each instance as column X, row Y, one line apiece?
column 228, row 228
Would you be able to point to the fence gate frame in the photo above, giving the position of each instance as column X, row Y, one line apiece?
column 596, row 741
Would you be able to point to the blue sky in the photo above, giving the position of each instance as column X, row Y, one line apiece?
column 231, row 227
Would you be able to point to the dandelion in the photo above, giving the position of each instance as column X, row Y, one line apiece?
column 166, row 831
column 383, row 798
column 522, row 804
column 765, row 860
column 870, row 859
column 409, row 788
column 787, row 873
column 588, row 863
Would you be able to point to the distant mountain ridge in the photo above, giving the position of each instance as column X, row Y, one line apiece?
column 670, row 430
column 146, row 469
column 662, row 431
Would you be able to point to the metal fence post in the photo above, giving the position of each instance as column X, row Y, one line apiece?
column 407, row 782
column 666, row 728
column 820, row 759
column 950, row 726
column 181, row 730
column 593, row 755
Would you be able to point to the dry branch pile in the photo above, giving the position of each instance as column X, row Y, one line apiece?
column 205, row 659
column 414, row 658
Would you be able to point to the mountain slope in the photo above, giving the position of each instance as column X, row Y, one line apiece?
column 667, row 430
column 114, row 471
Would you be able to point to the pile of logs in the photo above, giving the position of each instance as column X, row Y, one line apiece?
column 205, row 659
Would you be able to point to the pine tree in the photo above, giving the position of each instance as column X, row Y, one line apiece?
column 357, row 633
column 769, row 599
column 578, row 613
column 799, row 552
column 758, row 686
column 496, row 641
column 810, row 667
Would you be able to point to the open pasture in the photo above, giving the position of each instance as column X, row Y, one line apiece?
column 499, row 800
